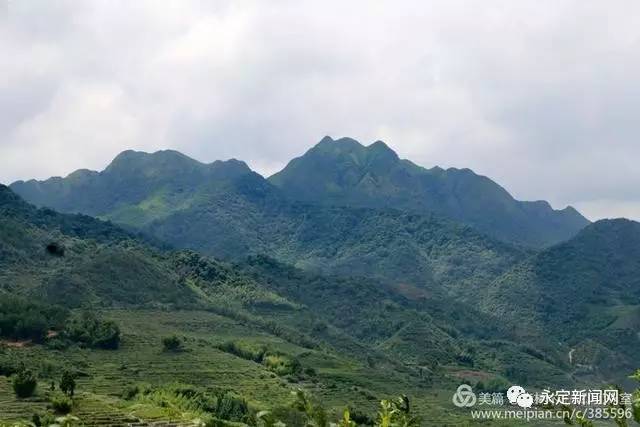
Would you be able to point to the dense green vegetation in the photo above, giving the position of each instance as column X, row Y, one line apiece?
column 319, row 309
column 299, row 344
column 172, row 343
column 86, row 329
column 24, row 382
column 585, row 291
column 21, row 319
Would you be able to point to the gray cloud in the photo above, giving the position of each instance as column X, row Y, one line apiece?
column 542, row 96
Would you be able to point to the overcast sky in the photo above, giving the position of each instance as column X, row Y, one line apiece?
column 541, row 96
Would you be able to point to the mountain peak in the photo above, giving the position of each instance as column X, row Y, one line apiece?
column 345, row 172
column 328, row 145
column 351, row 147
column 379, row 148
column 166, row 159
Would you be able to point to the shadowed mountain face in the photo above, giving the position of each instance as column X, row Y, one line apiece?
column 344, row 172
column 76, row 259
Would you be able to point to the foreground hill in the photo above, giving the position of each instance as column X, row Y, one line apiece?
column 343, row 340
column 77, row 259
column 346, row 173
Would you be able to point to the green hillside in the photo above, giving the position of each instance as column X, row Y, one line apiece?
column 584, row 292
column 255, row 331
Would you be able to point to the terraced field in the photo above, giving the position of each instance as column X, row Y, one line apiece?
column 105, row 375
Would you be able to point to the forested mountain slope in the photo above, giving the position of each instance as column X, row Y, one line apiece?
column 224, row 209
column 346, row 173
column 584, row 292
column 347, row 339
column 75, row 260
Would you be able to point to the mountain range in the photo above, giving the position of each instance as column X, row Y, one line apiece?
column 426, row 276
column 139, row 188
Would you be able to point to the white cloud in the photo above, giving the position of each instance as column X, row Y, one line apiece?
column 542, row 96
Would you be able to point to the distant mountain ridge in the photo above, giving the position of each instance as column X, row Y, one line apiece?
column 226, row 210
column 137, row 188
column 345, row 172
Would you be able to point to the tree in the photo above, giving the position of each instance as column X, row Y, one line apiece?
column 87, row 329
column 68, row 383
column 172, row 343
column 24, row 383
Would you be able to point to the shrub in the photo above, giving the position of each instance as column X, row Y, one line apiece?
column 465, row 359
column 21, row 319
column 58, row 343
column 87, row 329
column 8, row 367
column 245, row 351
column 282, row 365
column 232, row 407
column 55, row 249
column 361, row 419
column 24, row 383
column 172, row 343
column 130, row 392
column 60, row 403
column 43, row 420
column 68, row 383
